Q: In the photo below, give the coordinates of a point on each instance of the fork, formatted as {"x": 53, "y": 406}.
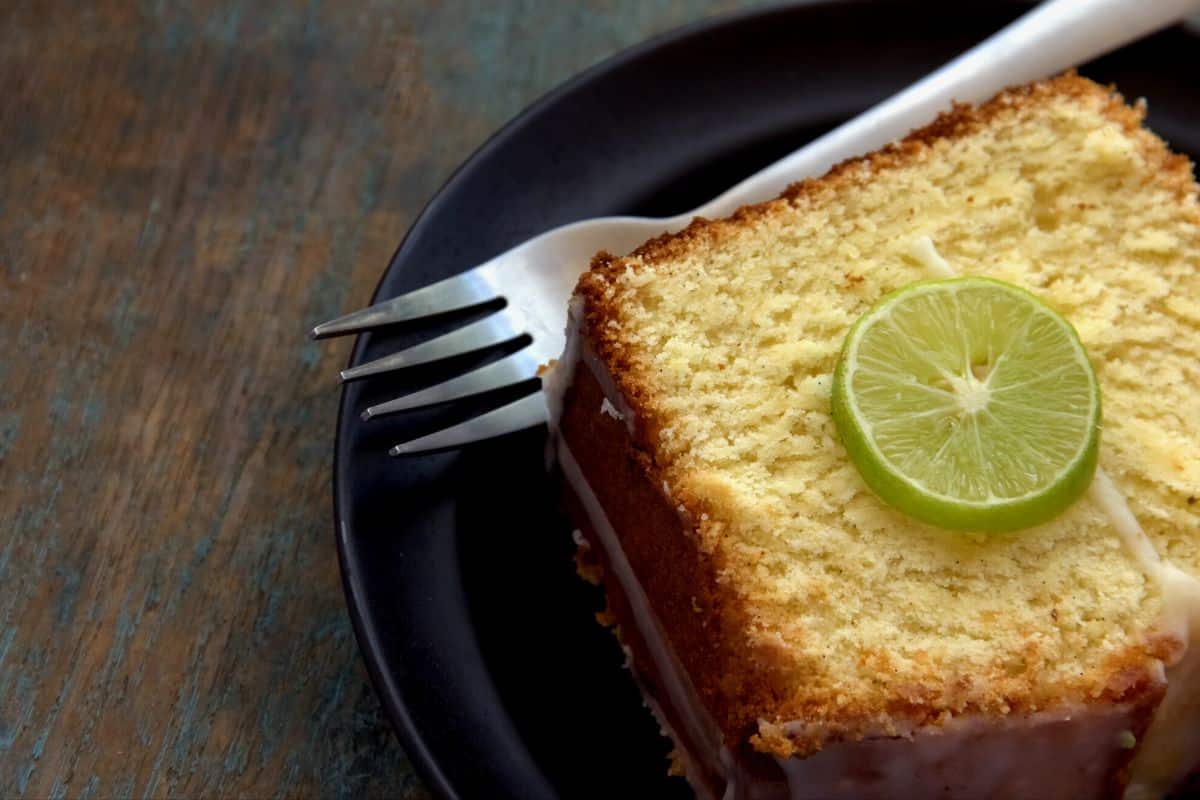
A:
{"x": 535, "y": 279}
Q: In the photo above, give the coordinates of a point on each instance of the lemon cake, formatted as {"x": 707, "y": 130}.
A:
{"x": 796, "y": 636}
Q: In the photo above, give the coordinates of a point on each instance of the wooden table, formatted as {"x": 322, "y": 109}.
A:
{"x": 185, "y": 188}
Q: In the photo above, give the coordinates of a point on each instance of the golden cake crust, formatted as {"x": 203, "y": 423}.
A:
{"x": 705, "y": 621}
{"x": 1173, "y": 170}
{"x": 753, "y": 684}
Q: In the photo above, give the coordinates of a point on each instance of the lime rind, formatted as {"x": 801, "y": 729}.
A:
{"x": 1032, "y": 354}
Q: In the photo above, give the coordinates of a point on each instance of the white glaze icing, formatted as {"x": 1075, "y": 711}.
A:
{"x": 680, "y": 692}
{"x": 606, "y": 407}
{"x": 689, "y": 767}
{"x": 1037, "y": 757}
{"x": 1170, "y": 748}
{"x": 921, "y": 248}
{"x": 557, "y": 379}
{"x": 1105, "y": 494}
{"x": 608, "y": 387}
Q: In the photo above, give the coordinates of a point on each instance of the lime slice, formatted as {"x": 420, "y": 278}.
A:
{"x": 969, "y": 404}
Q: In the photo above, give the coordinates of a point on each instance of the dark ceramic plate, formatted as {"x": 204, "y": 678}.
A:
{"x": 458, "y": 574}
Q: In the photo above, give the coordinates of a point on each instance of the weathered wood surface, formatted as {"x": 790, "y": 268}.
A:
{"x": 184, "y": 189}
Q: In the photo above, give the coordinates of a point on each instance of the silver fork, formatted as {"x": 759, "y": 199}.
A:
{"x": 535, "y": 279}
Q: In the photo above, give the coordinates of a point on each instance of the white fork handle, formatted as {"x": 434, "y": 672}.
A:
{"x": 1053, "y": 37}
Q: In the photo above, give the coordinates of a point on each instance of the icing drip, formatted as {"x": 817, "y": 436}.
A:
{"x": 614, "y": 403}
{"x": 1043, "y": 755}
{"x": 922, "y": 250}
{"x": 557, "y": 379}
{"x": 606, "y": 407}
{"x": 1170, "y": 748}
{"x": 664, "y": 725}
{"x": 680, "y": 692}
{"x": 1104, "y": 492}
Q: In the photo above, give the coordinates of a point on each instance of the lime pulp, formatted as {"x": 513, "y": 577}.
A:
{"x": 969, "y": 404}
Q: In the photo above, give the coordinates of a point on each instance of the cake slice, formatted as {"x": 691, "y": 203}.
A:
{"x": 795, "y": 635}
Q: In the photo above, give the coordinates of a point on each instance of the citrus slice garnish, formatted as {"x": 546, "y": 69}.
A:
{"x": 970, "y": 404}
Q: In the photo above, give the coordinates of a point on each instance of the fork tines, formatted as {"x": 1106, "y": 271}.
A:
{"x": 461, "y": 292}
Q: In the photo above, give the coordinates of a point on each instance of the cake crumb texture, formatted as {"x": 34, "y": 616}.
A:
{"x": 724, "y": 338}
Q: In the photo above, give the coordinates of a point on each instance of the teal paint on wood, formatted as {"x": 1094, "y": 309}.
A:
{"x": 185, "y": 188}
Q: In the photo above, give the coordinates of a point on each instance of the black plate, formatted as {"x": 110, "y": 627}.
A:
{"x": 457, "y": 568}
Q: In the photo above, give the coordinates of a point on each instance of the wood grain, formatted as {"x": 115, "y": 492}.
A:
{"x": 185, "y": 188}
